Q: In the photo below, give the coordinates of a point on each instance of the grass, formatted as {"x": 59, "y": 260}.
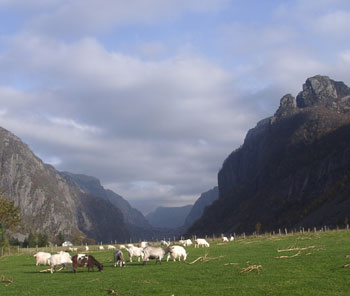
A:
{"x": 317, "y": 270}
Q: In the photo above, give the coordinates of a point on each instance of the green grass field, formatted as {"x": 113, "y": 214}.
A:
{"x": 314, "y": 266}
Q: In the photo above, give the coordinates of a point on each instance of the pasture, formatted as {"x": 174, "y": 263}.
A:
{"x": 300, "y": 264}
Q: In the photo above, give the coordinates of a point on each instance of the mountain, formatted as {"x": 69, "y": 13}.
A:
{"x": 93, "y": 186}
{"x": 136, "y": 223}
{"x": 169, "y": 217}
{"x": 293, "y": 168}
{"x": 206, "y": 199}
{"x": 50, "y": 202}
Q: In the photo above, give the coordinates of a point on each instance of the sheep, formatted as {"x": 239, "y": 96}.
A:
{"x": 89, "y": 261}
{"x": 154, "y": 253}
{"x": 232, "y": 238}
{"x": 110, "y": 247}
{"x": 86, "y": 248}
{"x": 201, "y": 242}
{"x": 101, "y": 248}
{"x": 61, "y": 259}
{"x": 188, "y": 242}
{"x": 144, "y": 245}
{"x": 224, "y": 239}
{"x": 42, "y": 258}
{"x": 73, "y": 249}
{"x": 119, "y": 258}
{"x": 164, "y": 243}
{"x": 135, "y": 251}
{"x": 176, "y": 252}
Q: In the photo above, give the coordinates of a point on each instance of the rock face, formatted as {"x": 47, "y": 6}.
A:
{"x": 169, "y": 217}
{"x": 205, "y": 200}
{"x": 51, "y": 202}
{"x": 293, "y": 168}
{"x": 136, "y": 223}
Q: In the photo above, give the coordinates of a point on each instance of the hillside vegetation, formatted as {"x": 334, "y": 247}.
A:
{"x": 300, "y": 264}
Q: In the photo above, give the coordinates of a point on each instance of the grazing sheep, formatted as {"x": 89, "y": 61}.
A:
{"x": 135, "y": 252}
{"x": 153, "y": 253}
{"x": 61, "y": 259}
{"x": 119, "y": 258}
{"x": 110, "y": 247}
{"x": 164, "y": 243}
{"x": 42, "y": 258}
{"x": 186, "y": 242}
{"x": 224, "y": 239}
{"x": 201, "y": 242}
{"x": 101, "y": 248}
{"x": 144, "y": 245}
{"x": 82, "y": 260}
{"x": 232, "y": 238}
{"x": 176, "y": 252}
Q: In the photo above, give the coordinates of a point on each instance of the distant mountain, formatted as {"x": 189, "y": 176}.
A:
{"x": 51, "y": 203}
{"x": 93, "y": 186}
{"x": 169, "y": 217}
{"x": 206, "y": 199}
{"x": 293, "y": 168}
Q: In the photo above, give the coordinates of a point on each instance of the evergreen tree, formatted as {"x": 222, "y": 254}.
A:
{"x": 31, "y": 240}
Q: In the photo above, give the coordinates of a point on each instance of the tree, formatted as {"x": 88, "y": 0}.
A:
{"x": 43, "y": 240}
{"x": 60, "y": 239}
{"x": 9, "y": 214}
{"x": 31, "y": 240}
{"x": 9, "y": 218}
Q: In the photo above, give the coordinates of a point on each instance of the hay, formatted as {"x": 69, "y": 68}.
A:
{"x": 296, "y": 249}
{"x": 113, "y": 292}
{"x": 295, "y": 255}
{"x": 150, "y": 283}
{"x": 4, "y": 280}
{"x": 226, "y": 264}
{"x": 251, "y": 268}
{"x": 204, "y": 258}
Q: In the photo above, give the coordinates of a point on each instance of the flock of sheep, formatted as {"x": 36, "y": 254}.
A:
{"x": 143, "y": 252}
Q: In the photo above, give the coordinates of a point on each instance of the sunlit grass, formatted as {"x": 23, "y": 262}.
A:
{"x": 318, "y": 269}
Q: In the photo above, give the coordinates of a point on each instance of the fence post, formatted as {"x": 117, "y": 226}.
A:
{"x": 286, "y": 231}
{"x": 18, "y": 249}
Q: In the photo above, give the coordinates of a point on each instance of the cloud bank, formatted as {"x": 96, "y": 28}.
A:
{"x": 152, "y": 98}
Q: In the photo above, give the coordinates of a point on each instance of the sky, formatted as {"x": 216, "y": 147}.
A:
{"x": 151, "y": 96}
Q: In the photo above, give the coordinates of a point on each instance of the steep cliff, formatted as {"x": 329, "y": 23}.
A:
{"x": 293, "y": 168}
{"x": 51, "y": 203}
{"x": 136, "y": 223}
{"x": 205, "y": 200}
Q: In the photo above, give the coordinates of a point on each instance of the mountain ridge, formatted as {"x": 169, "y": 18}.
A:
{"x": 288, "y": 165}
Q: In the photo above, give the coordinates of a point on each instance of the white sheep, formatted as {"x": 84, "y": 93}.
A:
{"x": 164, "y": 243}
{"x": 101, "y": 248}
{"x": 135, "y": 252}
{"x": 61, "y": 259}
{"x": 144, "y": 245}
{"x": 176, "y": 252}
{"x": 42, "y": 258}
{"x": 110, "y": 247}
{"x": 224, "y": 239}
{"x": 232, "y": 238}
{"x": 201, "y": 242}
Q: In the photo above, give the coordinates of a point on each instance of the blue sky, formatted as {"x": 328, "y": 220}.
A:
{"x": 151, "y": 96}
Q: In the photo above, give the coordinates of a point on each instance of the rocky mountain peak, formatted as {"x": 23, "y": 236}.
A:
{"x": 288, "y": 106}
{"x": 321, "y": 90}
